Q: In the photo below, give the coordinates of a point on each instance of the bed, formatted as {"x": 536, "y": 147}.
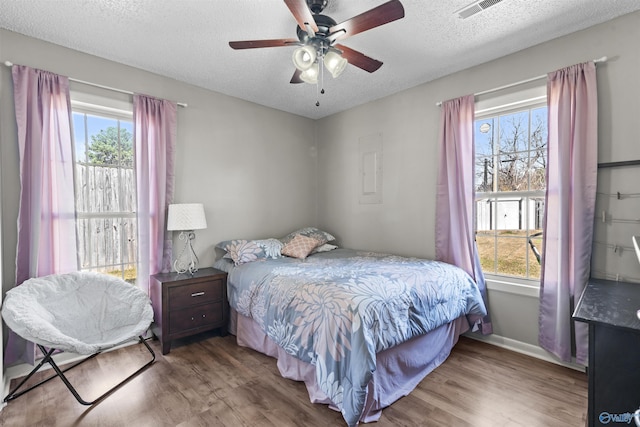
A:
{"x": 361, "y": 329}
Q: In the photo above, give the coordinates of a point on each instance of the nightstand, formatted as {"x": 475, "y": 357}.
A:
{"x": 184, "y": 305}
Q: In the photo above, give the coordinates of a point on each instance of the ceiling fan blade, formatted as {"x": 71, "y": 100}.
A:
{"x": 358, "y": 59}
{"x": 296, "y": 77}
{"x": 301, "y": 12}
{"x": 383, "y": 14}
{"x": 253, "y": 44}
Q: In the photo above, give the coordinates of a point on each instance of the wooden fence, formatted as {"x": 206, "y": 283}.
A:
{"x": 107, "y": 232}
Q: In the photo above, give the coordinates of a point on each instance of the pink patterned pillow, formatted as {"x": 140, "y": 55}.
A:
{"x": 300, "y": 246}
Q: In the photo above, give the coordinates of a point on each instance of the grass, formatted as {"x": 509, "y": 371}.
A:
{"x": 512, "y": 252}
{"x": 130, "y": 274}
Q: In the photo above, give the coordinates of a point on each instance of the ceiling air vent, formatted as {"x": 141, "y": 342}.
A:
{"x": 476, "y": 7}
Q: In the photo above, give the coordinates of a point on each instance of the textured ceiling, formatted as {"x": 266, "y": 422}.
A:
{"x": 188, "y": 41}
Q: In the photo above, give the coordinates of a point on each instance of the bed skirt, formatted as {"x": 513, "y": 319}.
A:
{"x": 399, "y": 369}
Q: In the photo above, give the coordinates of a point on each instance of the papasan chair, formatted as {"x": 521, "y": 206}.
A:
{"x": 79, "y": 312}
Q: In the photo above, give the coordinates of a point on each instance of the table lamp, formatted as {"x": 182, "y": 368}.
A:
{"x": 186, "y": 217}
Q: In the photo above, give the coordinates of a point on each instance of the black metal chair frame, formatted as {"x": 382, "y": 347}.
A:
{"x": 60, "y": 373}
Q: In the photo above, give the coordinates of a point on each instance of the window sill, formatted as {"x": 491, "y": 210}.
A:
{"x": 529, "y": 288}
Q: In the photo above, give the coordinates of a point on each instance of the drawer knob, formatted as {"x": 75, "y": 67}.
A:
{"x": 204, "y": 315}
{"x": 197, "y": 294}
{"x": 192, "y": 318}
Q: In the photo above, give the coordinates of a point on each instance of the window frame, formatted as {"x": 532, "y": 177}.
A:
{"x": 510, "y": 283}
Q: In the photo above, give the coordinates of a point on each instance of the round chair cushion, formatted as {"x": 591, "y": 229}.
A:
{"x": 80, "y": 312}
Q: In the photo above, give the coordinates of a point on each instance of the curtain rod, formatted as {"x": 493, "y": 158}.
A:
{"x": 114, "y": 89}
{"x": 521, "y": 82}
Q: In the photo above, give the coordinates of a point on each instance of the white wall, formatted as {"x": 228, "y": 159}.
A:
{"x": 408, "y": 121}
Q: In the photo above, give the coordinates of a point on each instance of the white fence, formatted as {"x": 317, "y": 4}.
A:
{"x": 509, "y": 214}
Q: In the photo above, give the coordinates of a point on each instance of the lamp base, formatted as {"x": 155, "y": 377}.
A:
{"x": 181, "y": 263}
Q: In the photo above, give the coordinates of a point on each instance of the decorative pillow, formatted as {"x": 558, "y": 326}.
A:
{"x": 316, "y": 233}
{"x": 324, "y": 248}
{"x": 300, "y": 246}
{"x": 243, "y": 251}
{"x": 271, "y": 247}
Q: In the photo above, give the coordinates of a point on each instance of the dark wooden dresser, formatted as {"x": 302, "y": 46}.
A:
{"x": 184, "y": 305}
{"x": 610, "y": 308}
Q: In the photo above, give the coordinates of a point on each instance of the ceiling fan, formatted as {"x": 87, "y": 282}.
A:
{"x": 318, "y": 34}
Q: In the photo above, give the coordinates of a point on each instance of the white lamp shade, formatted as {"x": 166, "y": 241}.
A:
{"x": 335, "y": 63}
{"x": 304, "y": 57}
{"x": 186, "y": 216}
{"x": 310, "y": 75}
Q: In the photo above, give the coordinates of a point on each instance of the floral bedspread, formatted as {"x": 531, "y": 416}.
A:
{"x": 337, "y": 309}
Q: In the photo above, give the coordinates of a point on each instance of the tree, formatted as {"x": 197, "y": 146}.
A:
{"x": 109, "y": 148}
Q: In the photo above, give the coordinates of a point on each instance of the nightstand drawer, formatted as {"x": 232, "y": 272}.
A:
{"x": 195, "y": 317}
{"x": 195, "y": 293}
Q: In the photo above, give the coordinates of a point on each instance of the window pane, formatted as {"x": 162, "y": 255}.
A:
{"x": 84, "y": 243}
{"x": 509, "y": 215}
{"x": 79, "y": 137}
{"x": 512, "y": 253}
{"x": 535, "y": 246}
{"x": 513, "y": 169}
{"x": 127, "y": 196}
{"x": 486, "y": 250}
{"x": 110, "y": 142}
{"x": 537, "y": 172}
{"x": 514, "y": 132}
{"x": 126, "y": 141}
{"x": 539, "y": 129}
{"x": 103, "y": 238}
{"x": 484, "y": 174}
{"x": 106, "y": 243}
{"x": 485, "y": 214}
{"x": 539, "y": 214}
{"x": 483, "y": 137}
{"x": 102, "y": 189}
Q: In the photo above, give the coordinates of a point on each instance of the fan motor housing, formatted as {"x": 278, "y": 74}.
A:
{"x": 324, "y": 24}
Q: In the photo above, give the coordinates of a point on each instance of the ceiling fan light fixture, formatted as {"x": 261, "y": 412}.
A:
{"x": 304, "y": 57}
{"x": 335, "y": 63}
{"x": 310, "y": 75}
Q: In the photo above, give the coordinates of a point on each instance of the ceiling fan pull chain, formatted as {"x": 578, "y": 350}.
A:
{"x": 322, "y": 73}
{"x": 317, "y": 96}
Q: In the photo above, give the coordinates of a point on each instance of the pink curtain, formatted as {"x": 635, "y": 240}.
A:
{"x": 455, "y": 203}
{"x": 155, "y": 134}
{"x": 569, "y": 207}
{"x": 46, "y": 216}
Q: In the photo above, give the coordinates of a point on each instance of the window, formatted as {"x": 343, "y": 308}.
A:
{"x": 105, "y": 191}
{"x": 510, "y": 183}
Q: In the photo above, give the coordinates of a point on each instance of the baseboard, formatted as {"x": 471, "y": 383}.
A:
{"x": 523, "y": 348}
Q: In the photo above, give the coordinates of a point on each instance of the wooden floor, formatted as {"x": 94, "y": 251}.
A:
{"x": 210, "y": 381}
